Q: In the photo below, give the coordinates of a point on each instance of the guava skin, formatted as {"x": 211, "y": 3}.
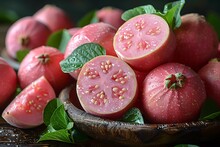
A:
{"x": 196, "y": 41}
{"x": 25, "y": 33}
{"x": 8, "y": 83}
{"x": 44, "y": 61}
{"x": 210, "y": 74}
{"x": 101, "y": 33}
{"x": 54, "y": 17}
{"x": 73, "y": 30}
{"x": 111, "y": 16}
{"x": 173, "y": 93}
{"x": 26, "y": 109}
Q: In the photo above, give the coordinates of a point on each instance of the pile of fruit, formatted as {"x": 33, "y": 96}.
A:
{"x": 163, "y": 63}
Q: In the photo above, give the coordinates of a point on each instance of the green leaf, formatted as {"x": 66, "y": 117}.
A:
{"x": 214, "y": 19}
{"x": 80, "y": 56}
{"x": 69, "y": 125}
{"x": 50, "y": 129}
{"x": 62, "y": 135}
{"x": 209, "y": 107}
{"x": 89, "y": 18}
{"x": 59, "y": 119}
{"x": 8, "y": 16}
{"x": 59, "y": 126}
{"x": 172, "y": 13}
{"x": 49, "y": 110}
{"x": 18, "y": 90}
{"x": 59, "y": 40}
{"x": 213, "y": 116}
{"x": 133, "y": 116}
{"x": 20, "y": 54}
{"x": 147, "y": 9}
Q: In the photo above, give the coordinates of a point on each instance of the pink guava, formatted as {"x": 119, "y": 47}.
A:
{"x": 173, "y": 93}
{"x": 43, "y": 61}
{"x": 111, "y": 16}
{"x": 140, "y": 76}
{"x": 25, "y": 33}
{"x": 106, "y": 87}
{"x": 54, "y": 17}
{"x": 210, "y": 74}
{"x": 145, "y": 41}
{"x": 101, "y": 33}
{"x": 196, "y": 41}
{"x": 8, "y": 83}
{"x": 73, "y": 30}
{"x": 26, "y": 110}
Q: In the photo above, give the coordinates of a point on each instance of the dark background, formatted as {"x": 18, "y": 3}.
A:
{"x": 77, "y": 8}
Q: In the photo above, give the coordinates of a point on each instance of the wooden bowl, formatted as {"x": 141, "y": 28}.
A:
{"x": 139, "y": 135}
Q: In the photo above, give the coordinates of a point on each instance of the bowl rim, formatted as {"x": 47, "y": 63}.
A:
{"x": 91, "y": 125}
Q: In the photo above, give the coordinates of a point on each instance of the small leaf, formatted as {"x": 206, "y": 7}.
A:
{"x": 8, "y": 16}
{"x": 20, "y": 54}
{"x": 59, "y": 126}
{"x": 59, "y": 40}
{"x": 147, "y": 9}
{"x": 49, "y": 110}
{"x": 69, "y": 125}
{"x": 214, "y": 19}
{"x": 18, "y": 90}
{"x": 50, "y": 129}
{"x": 133, "y": 116}
{"x": 213, "y": 116}
{"x": 88, "y": 19}
{"x": 59, "y": 119}
{"x": 61, "y": 135}
{"x": 80, "y": 56}
{"x": 209, "y": 107}
{"x": 172, "y": 13}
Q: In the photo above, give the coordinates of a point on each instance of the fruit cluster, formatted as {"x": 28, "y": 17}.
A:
{"x": 167, "y": 71}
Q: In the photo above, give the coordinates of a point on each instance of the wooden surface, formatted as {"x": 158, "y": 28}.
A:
{"x": 11, "y": 136}
{"x": 14, "y": 137}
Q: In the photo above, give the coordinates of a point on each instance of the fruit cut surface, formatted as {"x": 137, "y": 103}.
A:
{"x": 26, "y": 110}
{"x": 106, "y": 86}
{"x": 142, "y": 35}
{"x": 144, "y": 42}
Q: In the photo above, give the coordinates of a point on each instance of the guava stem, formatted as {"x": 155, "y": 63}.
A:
{"x": 43, "y": 58}
{"x": 175, "y": 81}
{"x": 24, "y": 41}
